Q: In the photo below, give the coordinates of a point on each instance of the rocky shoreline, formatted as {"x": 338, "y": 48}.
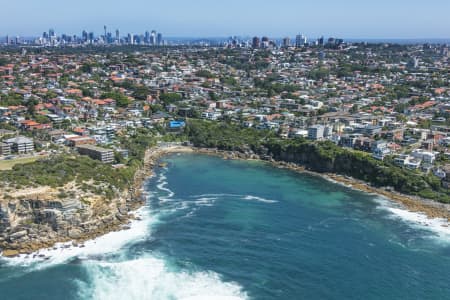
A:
{"x": 27, "y": 239}
{"x": 430, "y": 208}
{"x": 36, "y": 222}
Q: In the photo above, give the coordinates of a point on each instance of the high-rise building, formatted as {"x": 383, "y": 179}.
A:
{"x": 7, "y": 40}
{"x": 265, "y": 42}
{"x": 159, "y": 39}
{"x": 51, "y": 32}
{"x": 300, "y": 40}
{"x": 153, "y": 38}
{"x": 117, "y": 35}
{"x": 84, "y": 36}
{"x": 320, "y": 41}
{"x": 147, "y": 37}
{"x": 286, "y": 42}
{"x": 256, "y": 42}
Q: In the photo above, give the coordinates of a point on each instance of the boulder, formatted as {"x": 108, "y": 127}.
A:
{"x": 74, "y": 233}
{"x": 18, "y": 235}
{"x": 10, "y": 253}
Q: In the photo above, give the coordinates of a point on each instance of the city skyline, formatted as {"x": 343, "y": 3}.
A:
{"x": 384, "y": 19}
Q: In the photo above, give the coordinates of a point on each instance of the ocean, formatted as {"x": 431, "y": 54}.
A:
{"x": 218, "y": 229}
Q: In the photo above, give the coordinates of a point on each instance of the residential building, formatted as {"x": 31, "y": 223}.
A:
{"x": 21, "y": 144}
{"x": 5, "y": 149}
{"x": 316, "y": 132}
{"x": 102, "y": 154}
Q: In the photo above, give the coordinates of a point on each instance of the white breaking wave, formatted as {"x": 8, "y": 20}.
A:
{"x": 111, "y": 274}
{"x": 216, "y": 195}
{"x": 151, "y": 278}
{"x": 260, "y": 199}
{"x": 439, "y": 227}
{"x": 205, "y": 201}
{"x": 244, "y": 197}
{"x": 106, "y": 244}
{"x": 162, "y": 187}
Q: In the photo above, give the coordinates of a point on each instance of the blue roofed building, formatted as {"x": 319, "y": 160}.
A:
{"x": 176, "y": 125}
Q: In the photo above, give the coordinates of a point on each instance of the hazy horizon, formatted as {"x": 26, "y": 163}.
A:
{"x": 355, "y": 20}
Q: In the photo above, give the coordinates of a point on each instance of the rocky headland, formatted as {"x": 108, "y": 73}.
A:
{"x": 35, "y": 218}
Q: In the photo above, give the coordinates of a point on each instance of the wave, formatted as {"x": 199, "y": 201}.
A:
{"x": 206, "y": 201}
{"x": 244, "y": 197}
{"x": 112, "y": 242}
{"x": 259, "y": 199}
{"x": 439, "y": 227}
{"x": 151, "y": 278}
{"x": 162, "y": 187}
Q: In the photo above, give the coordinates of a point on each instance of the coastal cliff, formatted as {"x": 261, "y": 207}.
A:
{"x": 38, "y": 217}
{"x": 33, "y": 218}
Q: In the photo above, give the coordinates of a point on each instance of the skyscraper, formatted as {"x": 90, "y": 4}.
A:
{"x": 265, "y": 42}
{"x": 117, "y": 35}
{"x": 286, "y": 42}
{"x": 256, "y": 42}
{"x": 153, "y": 38}
{"x": 84, "y": 36}
{"x": 320, "y": 41}
{"x": 300, "y": 40}
{"x": 159, "y": 39}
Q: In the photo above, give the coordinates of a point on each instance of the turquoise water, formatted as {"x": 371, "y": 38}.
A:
{"x": 216, "y": 229}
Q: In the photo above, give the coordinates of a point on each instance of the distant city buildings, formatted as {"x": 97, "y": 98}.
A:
{"x": 154, "y": 38}
{"x": 50, "y": 38}
{"x": 300, "y": 41}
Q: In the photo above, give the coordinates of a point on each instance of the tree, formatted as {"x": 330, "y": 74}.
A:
{"x": 169, "y": 98}
{"x": 121, "y": 99}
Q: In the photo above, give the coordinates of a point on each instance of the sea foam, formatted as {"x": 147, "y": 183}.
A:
{"x": 151, "y": 278}
{"x": 106, "y": 244}
{"x": 439, "y": 228}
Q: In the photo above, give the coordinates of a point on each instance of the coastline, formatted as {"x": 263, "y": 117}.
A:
{"x": 432, "y": 209}
{"x": 118, "y": 218}
{"x": 134, "y": 199}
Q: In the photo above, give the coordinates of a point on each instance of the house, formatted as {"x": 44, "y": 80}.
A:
{"x": 176, "y": 125}
{"x": 426, "y": 156}
{"x": 21, "y": 144}
{"x": 349, "y": 140}
{"x": 446, "y": 179}
{"x": 380, "y": 149}
{"x": 80, "y": 140}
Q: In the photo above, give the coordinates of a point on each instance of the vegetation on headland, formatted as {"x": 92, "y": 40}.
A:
{"x": 323, "y": 157}
{"x": 90, "y": 175}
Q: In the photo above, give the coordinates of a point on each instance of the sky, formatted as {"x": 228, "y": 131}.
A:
{"x": 208, "y": 18}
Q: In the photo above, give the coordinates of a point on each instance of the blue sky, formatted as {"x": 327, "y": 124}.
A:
{"x": 201, "y": 18}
